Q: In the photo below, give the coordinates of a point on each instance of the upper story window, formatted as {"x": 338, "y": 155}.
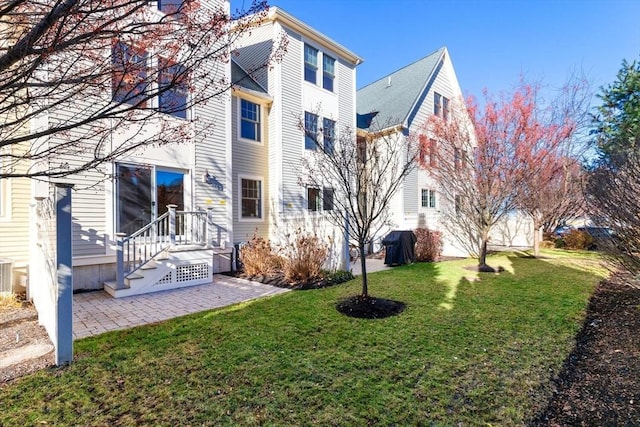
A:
{"x": 456, "y": 159}
{"x": 458, "y": 204}
{"x": 437, "y": 104}
{"x": 131, "y": 83}
{"x": 361, "y": 149}
{"x": 440, "y": 106}
{"x": 432, "y": 153}
{"x": 249, "y": 120}
{"x": 172, "y": 86}
{"x": 310, "y": 64}
{"x": 129, "y": 80}
{"x": 328, "y": 72}
{"x": 328, "y": 135}
{"x": 310, "y": 130}
{"x": 170, "y": 7}
{"x": 445, "y": 108}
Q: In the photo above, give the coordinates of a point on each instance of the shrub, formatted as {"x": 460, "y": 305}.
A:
{"x": 428, "y": 245}
{"x": 9, "y": 300}
{"x": 339, "y": 276}
{"x": 304, "y": 258}
{"x": 259, "y": 258}
{"x": 576, "y": 239}
{"x": 549, "y": 243}
{"x": 560, "y": 243}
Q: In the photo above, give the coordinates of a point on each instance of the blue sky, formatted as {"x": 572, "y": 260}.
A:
{"x": 491, "y": 42}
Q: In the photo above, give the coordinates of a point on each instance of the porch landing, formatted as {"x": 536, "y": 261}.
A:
{"x": 97, "y": 312}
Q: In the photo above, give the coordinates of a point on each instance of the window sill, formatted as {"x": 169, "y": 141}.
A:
{"x": 242, "y": 219}
{"x": 251, "y": 141}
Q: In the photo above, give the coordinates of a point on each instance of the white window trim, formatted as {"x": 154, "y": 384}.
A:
{"x": 5, "y": 198}
{"x": 304, "y": 133}
{"x": 435, "y": 198}
{"x": 239, "y": 122}
{"x": 320, "y": 69}
{"x": 262, "y": 192}
{"x": 152, "y": 64}
{"x": 5, "y": 194}
{"x": 321, "y": 210}
{"x": 304, "y": 63}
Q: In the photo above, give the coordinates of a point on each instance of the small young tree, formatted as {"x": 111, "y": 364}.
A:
{"x": 74, "y": 73}
{"x": 360, "y": 172}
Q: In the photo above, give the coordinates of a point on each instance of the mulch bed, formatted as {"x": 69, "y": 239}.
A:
{"x": 369, "y": 307}
{"x": 19, "y": 327}
{"x": 599, "y": 384}
{"x": 279, "y": 281}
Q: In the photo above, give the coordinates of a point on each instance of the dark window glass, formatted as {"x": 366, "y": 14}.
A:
{"x": 249, "y": 120}
{"x": 129, "y": 65}
{"x": 310, "y": 131}
{"x": 328, "y": 135}
{"x": 172, "y": 86}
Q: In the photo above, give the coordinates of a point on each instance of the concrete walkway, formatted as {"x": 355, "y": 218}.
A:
{"x": 373, "y": 265}
{"x": 97, "y": 312}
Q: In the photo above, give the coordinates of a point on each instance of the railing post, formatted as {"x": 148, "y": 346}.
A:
{"x": 64, "y": 273}
{"x": 209, "y": 228}
{"x": 172, "y": 224}
{"x": 120, "y": 259}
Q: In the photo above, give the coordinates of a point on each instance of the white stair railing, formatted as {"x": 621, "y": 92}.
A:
{"x": 173, "y": 228}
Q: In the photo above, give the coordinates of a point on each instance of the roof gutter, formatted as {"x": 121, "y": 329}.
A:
{"x": 277, "y": 14}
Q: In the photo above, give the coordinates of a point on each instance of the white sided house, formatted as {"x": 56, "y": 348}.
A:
{"x": 314, "y": 86}
{"x": 157, "y": 218}
{"x": 403, "y": 101}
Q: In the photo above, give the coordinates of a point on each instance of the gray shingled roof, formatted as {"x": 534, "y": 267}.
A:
{"x": 240, "y": 77}
{"x": 394, "y": 101}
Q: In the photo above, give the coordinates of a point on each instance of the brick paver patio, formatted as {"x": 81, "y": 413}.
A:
{"x": 97, "y": 312}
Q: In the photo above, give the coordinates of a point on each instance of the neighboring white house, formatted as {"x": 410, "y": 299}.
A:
{"x": 233, "y": 172}
{"x": 404, "y": 100}
{"x": 314, "y": 85}
{"x": 192, "y": 172}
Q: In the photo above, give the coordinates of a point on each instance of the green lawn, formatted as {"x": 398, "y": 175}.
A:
{"x": 466, "y": 349}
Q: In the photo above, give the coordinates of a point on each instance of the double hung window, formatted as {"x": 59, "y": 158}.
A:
{"x": 310, "y": 64}
{"x": 249, "y": 120}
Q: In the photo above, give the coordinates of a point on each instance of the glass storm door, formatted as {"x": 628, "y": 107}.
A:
{"x": 169, "y": 190}
{"x": 135, "y": 201}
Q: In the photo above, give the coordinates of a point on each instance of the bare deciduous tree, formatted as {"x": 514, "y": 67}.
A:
{"x": 470, "y": 154}
{"x": 503, "y": 157}
{"x": 358, "y": 174}
{"x": 74, "y": 73}
{"x": 613, "y": 188}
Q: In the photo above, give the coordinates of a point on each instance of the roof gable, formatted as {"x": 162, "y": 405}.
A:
{"x": 241, "y": 78}
{"x": 395, "y": 95}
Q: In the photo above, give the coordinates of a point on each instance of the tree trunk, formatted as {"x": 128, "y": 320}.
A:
{"x": 537, "y": 234}
{"x": 483, "y": 252}
{"x": 363, "y": 265}
{"x": 482, "y": 259}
